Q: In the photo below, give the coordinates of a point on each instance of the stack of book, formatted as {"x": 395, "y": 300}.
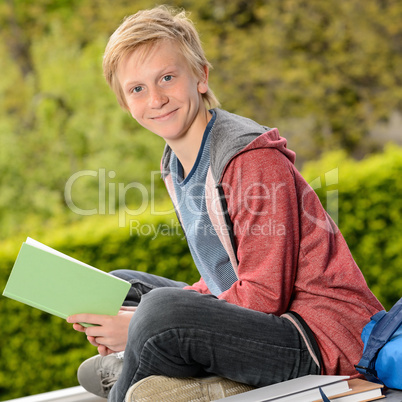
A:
{"x": 307, "y": 389}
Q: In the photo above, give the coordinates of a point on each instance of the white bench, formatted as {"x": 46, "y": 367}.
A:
{"x": 74, "y": 394}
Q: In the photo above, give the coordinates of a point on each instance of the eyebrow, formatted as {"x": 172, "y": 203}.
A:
{"x": 159, "y": 73}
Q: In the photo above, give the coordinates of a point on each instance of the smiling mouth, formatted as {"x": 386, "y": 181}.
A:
{"x": 164, "y": 116}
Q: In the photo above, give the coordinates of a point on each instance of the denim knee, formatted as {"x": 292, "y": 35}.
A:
{"x": 161, "y": 309}
{"x": 162, "y": 303}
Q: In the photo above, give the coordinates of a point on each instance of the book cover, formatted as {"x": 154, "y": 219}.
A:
{"x": 61, "y": 285}
{"x": 302, "y": 389}
{"x": 360, "y": 391}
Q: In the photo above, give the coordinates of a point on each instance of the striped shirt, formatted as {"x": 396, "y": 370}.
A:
{"x": 210, "y": 257}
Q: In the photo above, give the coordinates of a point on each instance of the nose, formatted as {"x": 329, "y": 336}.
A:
{"x": 157, "y": 98}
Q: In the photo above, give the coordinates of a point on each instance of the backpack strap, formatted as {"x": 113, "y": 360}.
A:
{"x": 387, "y": 324}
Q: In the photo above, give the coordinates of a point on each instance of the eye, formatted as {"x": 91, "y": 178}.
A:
{"x": 167, "y": 78}
{"x": 136, "y": 89}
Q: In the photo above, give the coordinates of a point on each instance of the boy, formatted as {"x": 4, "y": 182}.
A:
{"x": 280, "y": 295}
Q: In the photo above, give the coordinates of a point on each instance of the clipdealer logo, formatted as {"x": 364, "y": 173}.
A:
{"x": 112, "y": 200}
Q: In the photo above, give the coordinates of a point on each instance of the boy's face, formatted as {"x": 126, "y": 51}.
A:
{"x": 162, "y": 92}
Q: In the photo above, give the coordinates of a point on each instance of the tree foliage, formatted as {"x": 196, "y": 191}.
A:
{"x": 335, "y": 62}
{"x": 323, "y": 72}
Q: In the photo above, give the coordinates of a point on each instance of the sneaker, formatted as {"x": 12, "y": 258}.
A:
{"x": 166, "y": 389}
{"x": 99, "y": 373}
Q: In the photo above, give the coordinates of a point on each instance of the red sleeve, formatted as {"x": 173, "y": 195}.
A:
{"x": 200, "y": 287}
{"x": 262, "y": 203}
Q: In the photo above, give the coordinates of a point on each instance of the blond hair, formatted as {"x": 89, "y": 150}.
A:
{"x": 147, "y": 27}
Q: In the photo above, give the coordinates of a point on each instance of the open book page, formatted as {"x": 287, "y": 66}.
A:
{"x": 42, "y": 246}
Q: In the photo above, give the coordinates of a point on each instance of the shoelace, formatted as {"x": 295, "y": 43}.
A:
{"x": 107, "y": 382}
{"x": 108, "y": 378}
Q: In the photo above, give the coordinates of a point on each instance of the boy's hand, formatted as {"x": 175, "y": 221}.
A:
{"x": 111, "y": 331}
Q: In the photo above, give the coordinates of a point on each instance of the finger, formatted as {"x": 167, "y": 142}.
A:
{"x": 98, "y": 331}
{"x": 78, "y": 327}
{"x": 92, "y": 340}
{"x": 128, "y": 308}
{"x": 95, "y": 319}
{"x": 103, "y": 350}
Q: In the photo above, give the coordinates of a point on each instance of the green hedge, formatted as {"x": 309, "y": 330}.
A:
{"x": 370, "y": 213}
{"x": 40, "y": 352}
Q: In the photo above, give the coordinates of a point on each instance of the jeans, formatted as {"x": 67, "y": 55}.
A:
{"x": 182, "y": 333}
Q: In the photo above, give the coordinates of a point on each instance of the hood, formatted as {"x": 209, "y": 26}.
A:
{"x": 233, "y": 134}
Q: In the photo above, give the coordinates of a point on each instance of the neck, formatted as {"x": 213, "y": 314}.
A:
{"x": 187, "y": 147}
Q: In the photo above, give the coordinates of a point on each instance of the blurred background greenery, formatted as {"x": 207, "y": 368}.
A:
{"x": 77, "y": 173}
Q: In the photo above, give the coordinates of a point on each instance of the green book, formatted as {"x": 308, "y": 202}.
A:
{"x": 61, "y": 285}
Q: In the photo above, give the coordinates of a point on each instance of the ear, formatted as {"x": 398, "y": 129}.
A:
{"x": 203, "y": 82}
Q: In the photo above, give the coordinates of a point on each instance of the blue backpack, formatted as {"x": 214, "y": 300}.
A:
{"x": 382, "y": 355}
